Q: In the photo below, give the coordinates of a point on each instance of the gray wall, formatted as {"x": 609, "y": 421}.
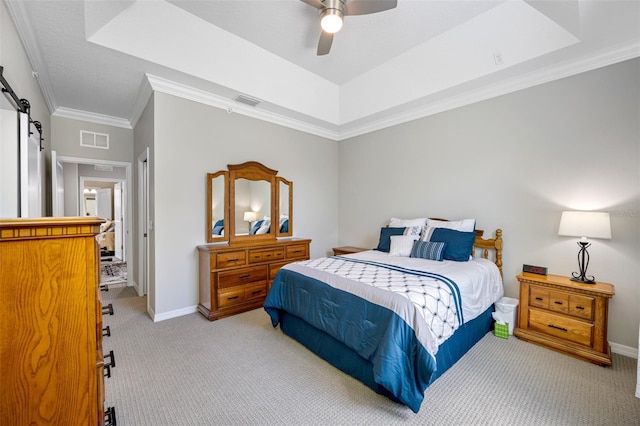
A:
{"x": 192, "y": 139}
{"x": 516, "y": 162}
{"x": 65, "y": 133}
{"x": 17, "y": 71}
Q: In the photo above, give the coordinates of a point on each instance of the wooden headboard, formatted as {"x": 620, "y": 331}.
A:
{"x": 486, "y": 244}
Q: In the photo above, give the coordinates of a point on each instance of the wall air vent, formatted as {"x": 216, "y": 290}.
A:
{"x": 94, "y": 139}
{"x": 103, "y": 168}
{"x": 247, "y": 100}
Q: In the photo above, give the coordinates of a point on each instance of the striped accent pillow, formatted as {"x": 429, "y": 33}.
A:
{"x": 428, "y": 250}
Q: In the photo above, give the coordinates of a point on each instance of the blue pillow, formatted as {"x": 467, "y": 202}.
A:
{"x": 459, "y": 244}
{"x": 255, "y": 227}
{"x": 428, "y": 250}
{"x": 384, "y": 244}
{"x": 284, "y": 228}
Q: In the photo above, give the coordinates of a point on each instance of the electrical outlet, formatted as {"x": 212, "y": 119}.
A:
{"x": 497, "y": 58}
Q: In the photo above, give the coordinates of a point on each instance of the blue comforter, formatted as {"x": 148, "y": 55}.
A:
{"x": 384, "y": 327}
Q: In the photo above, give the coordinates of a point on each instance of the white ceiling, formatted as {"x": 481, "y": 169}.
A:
{"x": 99, "y": 60}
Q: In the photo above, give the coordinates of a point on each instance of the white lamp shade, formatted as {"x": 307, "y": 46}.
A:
{"x": 585, "y": 225}
{"x": 249, "y": 216}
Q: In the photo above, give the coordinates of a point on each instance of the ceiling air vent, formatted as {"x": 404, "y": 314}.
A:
{"x": 244, "y": 99}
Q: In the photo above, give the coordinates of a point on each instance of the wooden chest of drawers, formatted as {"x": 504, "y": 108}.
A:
{"x": 565, "y": 315}
{"x": 236, "y": 278}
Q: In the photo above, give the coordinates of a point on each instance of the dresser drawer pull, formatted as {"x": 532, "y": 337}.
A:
{"x": 232, "y": 297}
{"x": 580, "y": 307}
{"x": 256, "y": 292}
{"x": 539, "y": 298}
{"x": 232, "y": 260}
{"x": 112, "y": 364}
{"x": 110, "y": 416}
{"x": 558, "y": 328}
{"x": 242, "y": 277}
{"x": 557, "y": 303}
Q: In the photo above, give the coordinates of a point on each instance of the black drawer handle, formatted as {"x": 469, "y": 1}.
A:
{"x": 232, "y": 297}
{"x": 104, "y": 287}
{"x": 110, "y": 416}
{"x": 110, "y": 365}
{"x": 539, "y": 298}
{"x": 558, "y": 303}
{"x": 580, "y": 307}
{"x": 107, "y": 309}
{"x": 256, "y": 292}
{"x": 558, "y": 328}
{"x": 233, "y": 260}
{"x": 242, "y": 277}
{"x": 106, "y": 331}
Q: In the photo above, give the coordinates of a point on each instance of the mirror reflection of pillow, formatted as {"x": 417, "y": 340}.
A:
{"x": 264, "y": 228}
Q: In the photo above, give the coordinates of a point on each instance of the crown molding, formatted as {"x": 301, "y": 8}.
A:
{"x": 92, "y": 117}
{"x": 515, "y": 84}
{"x": 159, "y": 84}
{"x": 25, "y": 32}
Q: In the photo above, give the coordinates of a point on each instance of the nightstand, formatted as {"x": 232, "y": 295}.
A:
{"x": 565, "y": 315}
{"x": 337, "y": 251}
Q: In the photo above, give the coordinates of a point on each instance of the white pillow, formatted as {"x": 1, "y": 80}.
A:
{"x": 264, "y": 228}
{"x": 464, "y": 225}
{"x": 394, "y": 222}
{"x": 401, "y": 245}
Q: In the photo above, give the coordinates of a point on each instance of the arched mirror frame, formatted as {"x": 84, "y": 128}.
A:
{"x": 224, "y": 175}
{"x": 280, "y": 181}
{"x": 253, "y": 171}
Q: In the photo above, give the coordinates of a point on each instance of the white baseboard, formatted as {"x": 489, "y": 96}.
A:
{"x": 174, "y": 314}
{"x": 624, "y": 350}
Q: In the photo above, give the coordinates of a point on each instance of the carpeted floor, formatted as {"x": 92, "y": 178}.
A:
{"x": 242, "y": 371}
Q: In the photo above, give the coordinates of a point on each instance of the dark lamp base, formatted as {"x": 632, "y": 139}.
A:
{"x": 583, "y": 280}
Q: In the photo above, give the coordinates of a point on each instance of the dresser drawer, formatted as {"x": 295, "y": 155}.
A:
{"x": 231, "y": 258}
{"x": 561, "y": 326}
{"x": 242, "y": 276}
{"x": 239, "y": 294}
{"x": 297, "y": 251}
{"x": 256, "y": 256}
{"x": 539, "y": 297}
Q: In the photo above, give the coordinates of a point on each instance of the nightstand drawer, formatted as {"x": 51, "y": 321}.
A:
{"x": 560, "y": 326}
{"x": 581, "y": 306}
{"x": 558, "y": 302}
{"x": 539, "y": 297}
{"x": 242, "y": 276}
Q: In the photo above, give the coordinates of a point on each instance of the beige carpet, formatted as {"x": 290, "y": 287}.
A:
{"x": 241, "y": 371}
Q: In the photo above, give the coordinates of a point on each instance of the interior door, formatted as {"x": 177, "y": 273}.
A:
{"x": 30, "y": 176}
{"x": 103, "y": 203}
{"x": 57, "y": 186}
{"x": 119, "y": 218}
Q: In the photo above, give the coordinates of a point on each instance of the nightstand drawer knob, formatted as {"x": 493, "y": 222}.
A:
{"x": 580, "y": 307}
{"x": 539, "y": 298}
{"x": 558, "y": 328}
{"x": 557, "y": 303}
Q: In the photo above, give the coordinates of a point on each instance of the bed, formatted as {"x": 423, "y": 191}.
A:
{"x": 395, "y": 318}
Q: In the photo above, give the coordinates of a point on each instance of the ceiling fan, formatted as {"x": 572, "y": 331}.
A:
{"x": 332, "y": 13}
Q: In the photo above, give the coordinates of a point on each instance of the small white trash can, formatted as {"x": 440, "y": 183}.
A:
{"x": 507, "y": 308}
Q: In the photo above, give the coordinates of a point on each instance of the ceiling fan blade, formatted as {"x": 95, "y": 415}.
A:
{"x": 364, "y": 7}
{"x": 324, "y": 44}
{"x": 315, "y": 3}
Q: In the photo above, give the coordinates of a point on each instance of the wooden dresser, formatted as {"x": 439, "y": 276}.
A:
{"x": 51, "y": 360}
{"x": 566, "y": 316}
{"x": 236, "y": 278}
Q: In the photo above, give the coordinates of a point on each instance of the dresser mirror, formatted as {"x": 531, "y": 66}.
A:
{"x": 285, "y": 206}
{"x": 217, "y": 202}
{"x": 248, "y": 202}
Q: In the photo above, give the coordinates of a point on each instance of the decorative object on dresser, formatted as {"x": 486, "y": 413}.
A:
{"x": 565, "y": 315}
{"x": 237, "y": 270}
{"x": 584, "y": 225}
{"x": 337, "y": 251}
{"x": 51, "y": 359}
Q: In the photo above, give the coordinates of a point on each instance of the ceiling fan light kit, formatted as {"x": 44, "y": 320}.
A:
{"x": 332, "y": 13}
